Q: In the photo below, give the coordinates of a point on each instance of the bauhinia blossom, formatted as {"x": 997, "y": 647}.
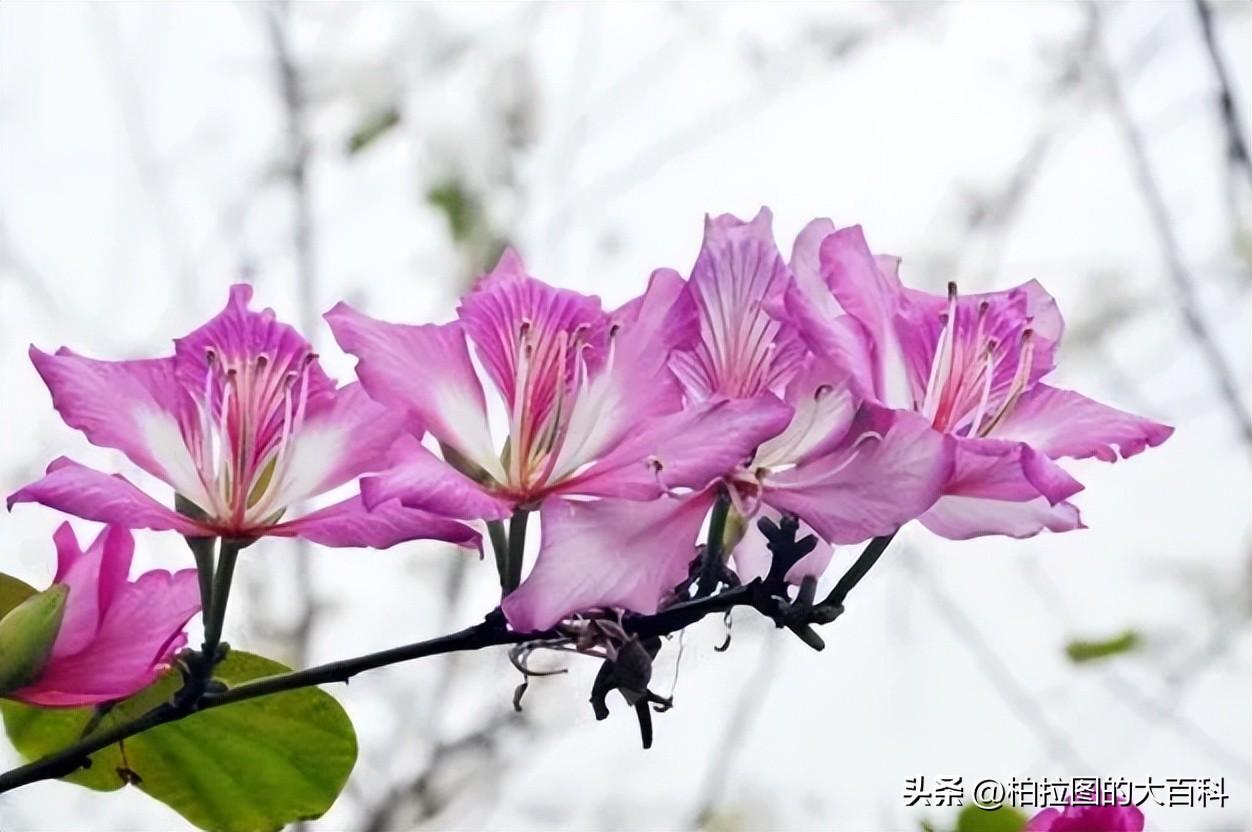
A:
{"x": 243, "y": 424}
{"x": 589, "y": 407}
{"x": 1108, "y": 818}
{"x": 116, "y": 635}
{"x": 971, "y": 367}
{"x": 851, "y": 472}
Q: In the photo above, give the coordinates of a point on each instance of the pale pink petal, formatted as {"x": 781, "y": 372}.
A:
{"x": 962, "y": 518}
{"x": 85, "y": 492}
{"x": 685, "y": 450}
{"x": 824, "y": 405}
{"x": 349, "y": 524}
{"x": 426, "y": 372}
{"x": 137, "y": 636}
{"x": 136, "y": 407}
{"x": 607, "y": 553}
{"x": 890, "y": 468}
{"x": 752, "y": 556}
{"x": 421, "y": 480}
{"x": 1009, "y": 471}
{"x": 1063, "y": 423}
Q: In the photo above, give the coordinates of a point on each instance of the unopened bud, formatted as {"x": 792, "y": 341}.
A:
{"x": 27, "y": 634}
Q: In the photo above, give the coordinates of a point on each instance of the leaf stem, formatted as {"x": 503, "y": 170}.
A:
{"x": 517, "y": 548}
{"x": 711, "y": 564}
{"x": 500, "y": 546}
{"x": 869, "y": 556}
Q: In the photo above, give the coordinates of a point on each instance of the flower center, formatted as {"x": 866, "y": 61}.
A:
{"x": 250, "y": 413}
{"x": 975, "y": 377}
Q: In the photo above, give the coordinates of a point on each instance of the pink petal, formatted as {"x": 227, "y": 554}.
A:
{"x": 426, "y": 372}
{"x": 752, "y": 556}
{"x": 136, "y": 407}
{"x": 962, "y": 518}
{"x": 85, "y": 492}
{"x": 93, "y": 578}
{"x": 890, "y": 468}
{"x": 508, "y": 301}
{"x": 1043, "y": 821}
{"x": 138, "y": 635}
{"x": 824, "y": 405}
{"x": 737, "y": 278}
{"x": 349, "y": 524}
{"x": 1063, "y": 423}
{"x": 689, "y": 449}
{"x": 607, "y": 553}
{"x": 423, "y": 481}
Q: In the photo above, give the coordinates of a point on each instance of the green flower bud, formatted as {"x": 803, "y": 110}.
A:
{"x": 27, "y": 634}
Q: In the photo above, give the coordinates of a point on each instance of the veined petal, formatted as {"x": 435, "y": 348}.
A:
{"x": 1063, "y": 423}
{"x": 76, "y": 489}
{"x": 349, "y": 524}
{"x": 425, "y": 371}
{"x": 753, "y": 558}
{"x": 737, "y": 279}
{"x": 508, "y": 304}
{"x": 890, "y": 467}
{"x": 962, "y": 518}
{"x": 685, "y": 450}
{"x": 421, "y": 480}
{"x": 136, "y": 407}
{"x": 824, "y": 405}
{"x": 139, "y": 632}
{"x": 607, "y": 553}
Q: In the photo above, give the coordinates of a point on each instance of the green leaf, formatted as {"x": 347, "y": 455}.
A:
{"x": 1003, "y": 819}
{"x": 1080, "y": 651}
{"x": 254, "y": 765}
{"x": 12, "y": 593}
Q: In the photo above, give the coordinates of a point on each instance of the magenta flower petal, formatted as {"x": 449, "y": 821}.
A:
{"x": 1102, "y": 818}
{"x": 889, "y": 469}
{"x": 1063, "y": 423}
{"x": 424, "y": 371}
{"x": 350, "y": 524}
{"x": 117, "y": 635}
{"x": 607, "y": 553}
{"x": 136, "y": 407}
{"x": 423, "y": 481}
{"x": 85, "y": 492}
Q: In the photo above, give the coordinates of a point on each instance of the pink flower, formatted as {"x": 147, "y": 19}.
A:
{"x": 971, "y": 367}
{"x": 1115, "y": 818}
{"x": 591, "y": 411}
{"x": 116, "y": 635}
{"x": 849, "y": 471}
{"x": 243, "y": 424}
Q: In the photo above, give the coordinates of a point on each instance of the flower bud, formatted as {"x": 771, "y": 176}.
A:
{"x": 27, "y": 634}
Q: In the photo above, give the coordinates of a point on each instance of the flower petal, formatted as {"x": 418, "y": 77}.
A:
{"x": 426, "y": 372}
{"x": 890, "y": 468}
{"x": 93, "y": 579}
{"x": 421, "y": 480}
{"x": 685, "y": 450}
{"x": 349, "y": 524}
{"x": 738, "y": 277}
{"x": 93, "y": 495}
{"x": 136, "y": 407}
{"x": 1063, "y": 423}
{"x": 139, "y": 632}
{"x": 607, "y": 553}
{"x": 962, "y": 518}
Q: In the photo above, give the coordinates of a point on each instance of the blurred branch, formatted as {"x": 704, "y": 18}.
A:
{"x": 1154, "y": 200}
{"x": 1236, "y": 144}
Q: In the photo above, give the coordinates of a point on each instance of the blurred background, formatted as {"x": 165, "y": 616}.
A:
{"x": 150, "y": 155}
